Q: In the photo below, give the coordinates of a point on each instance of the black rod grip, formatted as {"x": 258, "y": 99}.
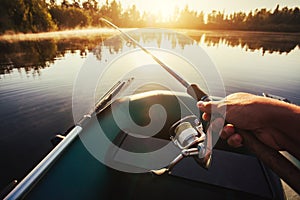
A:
{"x": 195, "y": 91}
{"x": 199, "y": 95}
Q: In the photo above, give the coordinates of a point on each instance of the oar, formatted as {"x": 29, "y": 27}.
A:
{"x": 270, "y": 157}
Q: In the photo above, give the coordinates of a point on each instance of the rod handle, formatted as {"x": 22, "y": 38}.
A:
{"x": 199, "y": 95}
{"x": 195, "y": 91}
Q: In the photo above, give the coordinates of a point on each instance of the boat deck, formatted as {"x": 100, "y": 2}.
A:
{"x": 77, "y": 174}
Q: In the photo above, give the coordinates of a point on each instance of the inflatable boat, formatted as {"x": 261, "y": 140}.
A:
{"x": 82, "y": 166}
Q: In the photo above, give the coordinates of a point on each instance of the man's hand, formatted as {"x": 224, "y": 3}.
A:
{"x": 266, "y": 118}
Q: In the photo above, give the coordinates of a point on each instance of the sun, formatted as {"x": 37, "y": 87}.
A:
{"x": 163, "y": 10}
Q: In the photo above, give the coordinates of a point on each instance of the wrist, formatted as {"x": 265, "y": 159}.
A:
{"x": 287, "y": 119}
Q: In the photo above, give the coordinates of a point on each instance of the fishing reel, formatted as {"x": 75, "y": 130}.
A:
{"x": 189, "y": 136}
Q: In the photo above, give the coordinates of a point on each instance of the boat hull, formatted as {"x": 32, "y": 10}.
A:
{"x": 78, "y": 174}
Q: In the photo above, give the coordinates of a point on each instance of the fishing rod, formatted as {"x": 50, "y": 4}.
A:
{"x": 270, "y": 157}
{"x": 192, "y": 89}
{"x": 202, "y": 151}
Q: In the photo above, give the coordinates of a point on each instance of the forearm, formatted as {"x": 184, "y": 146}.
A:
{"x": 288, "y": 123}
{"x": 288, "y": 120}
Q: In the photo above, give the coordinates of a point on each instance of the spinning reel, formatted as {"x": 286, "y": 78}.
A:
{"x": 188, "y": 135}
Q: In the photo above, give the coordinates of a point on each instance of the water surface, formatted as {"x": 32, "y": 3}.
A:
{"x": 37, "y": 77}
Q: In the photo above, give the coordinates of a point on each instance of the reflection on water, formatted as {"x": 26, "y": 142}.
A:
{"x": 35, "y": 55}
{"x": 37, "y": 106}
{"x": 268, "y": 42}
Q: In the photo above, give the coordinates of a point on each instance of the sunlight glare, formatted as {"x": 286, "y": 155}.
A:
{"x": 163, "y": 10}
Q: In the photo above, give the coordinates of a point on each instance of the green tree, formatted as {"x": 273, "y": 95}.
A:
{"x": 69, "y": 17}
{"x": 215, "y": 18}
{"x": 37, "y": 16}
{"x": 190, "y": 18}
{"x": 133, "y": 17}
{"x": 112, "y": 11}
{"x": 8, "y": 9}
{"x": 238, "y": 19}
{"x": 91, "y": 8}
{"x": 76, "y": 3}
{"x": 25, "y": 16}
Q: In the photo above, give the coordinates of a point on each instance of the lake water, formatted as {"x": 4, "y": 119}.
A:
{"x": 37, "y": 76}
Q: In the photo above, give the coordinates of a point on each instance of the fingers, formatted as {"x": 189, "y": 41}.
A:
{"x": 233, "y": 138}
{"x": 213, "y": 109}
{"x": 228, "y": 131}
{"x": 205, "y": 106}
{"x": 206, "y": 116}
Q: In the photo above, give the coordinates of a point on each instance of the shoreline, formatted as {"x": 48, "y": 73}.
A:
{"x": 64, "y": 34}
{"x": 94, "y": 31}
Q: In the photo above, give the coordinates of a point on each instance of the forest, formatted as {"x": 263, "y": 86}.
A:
{"x": 41, "y": 15}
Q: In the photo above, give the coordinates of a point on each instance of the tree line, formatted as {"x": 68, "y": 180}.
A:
{"x": 35, "y": 55}
{"x": 39, "y": 15}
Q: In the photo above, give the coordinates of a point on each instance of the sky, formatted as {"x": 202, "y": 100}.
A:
{"x": 228, "y": 6}
{"x": 166, "y": 7}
